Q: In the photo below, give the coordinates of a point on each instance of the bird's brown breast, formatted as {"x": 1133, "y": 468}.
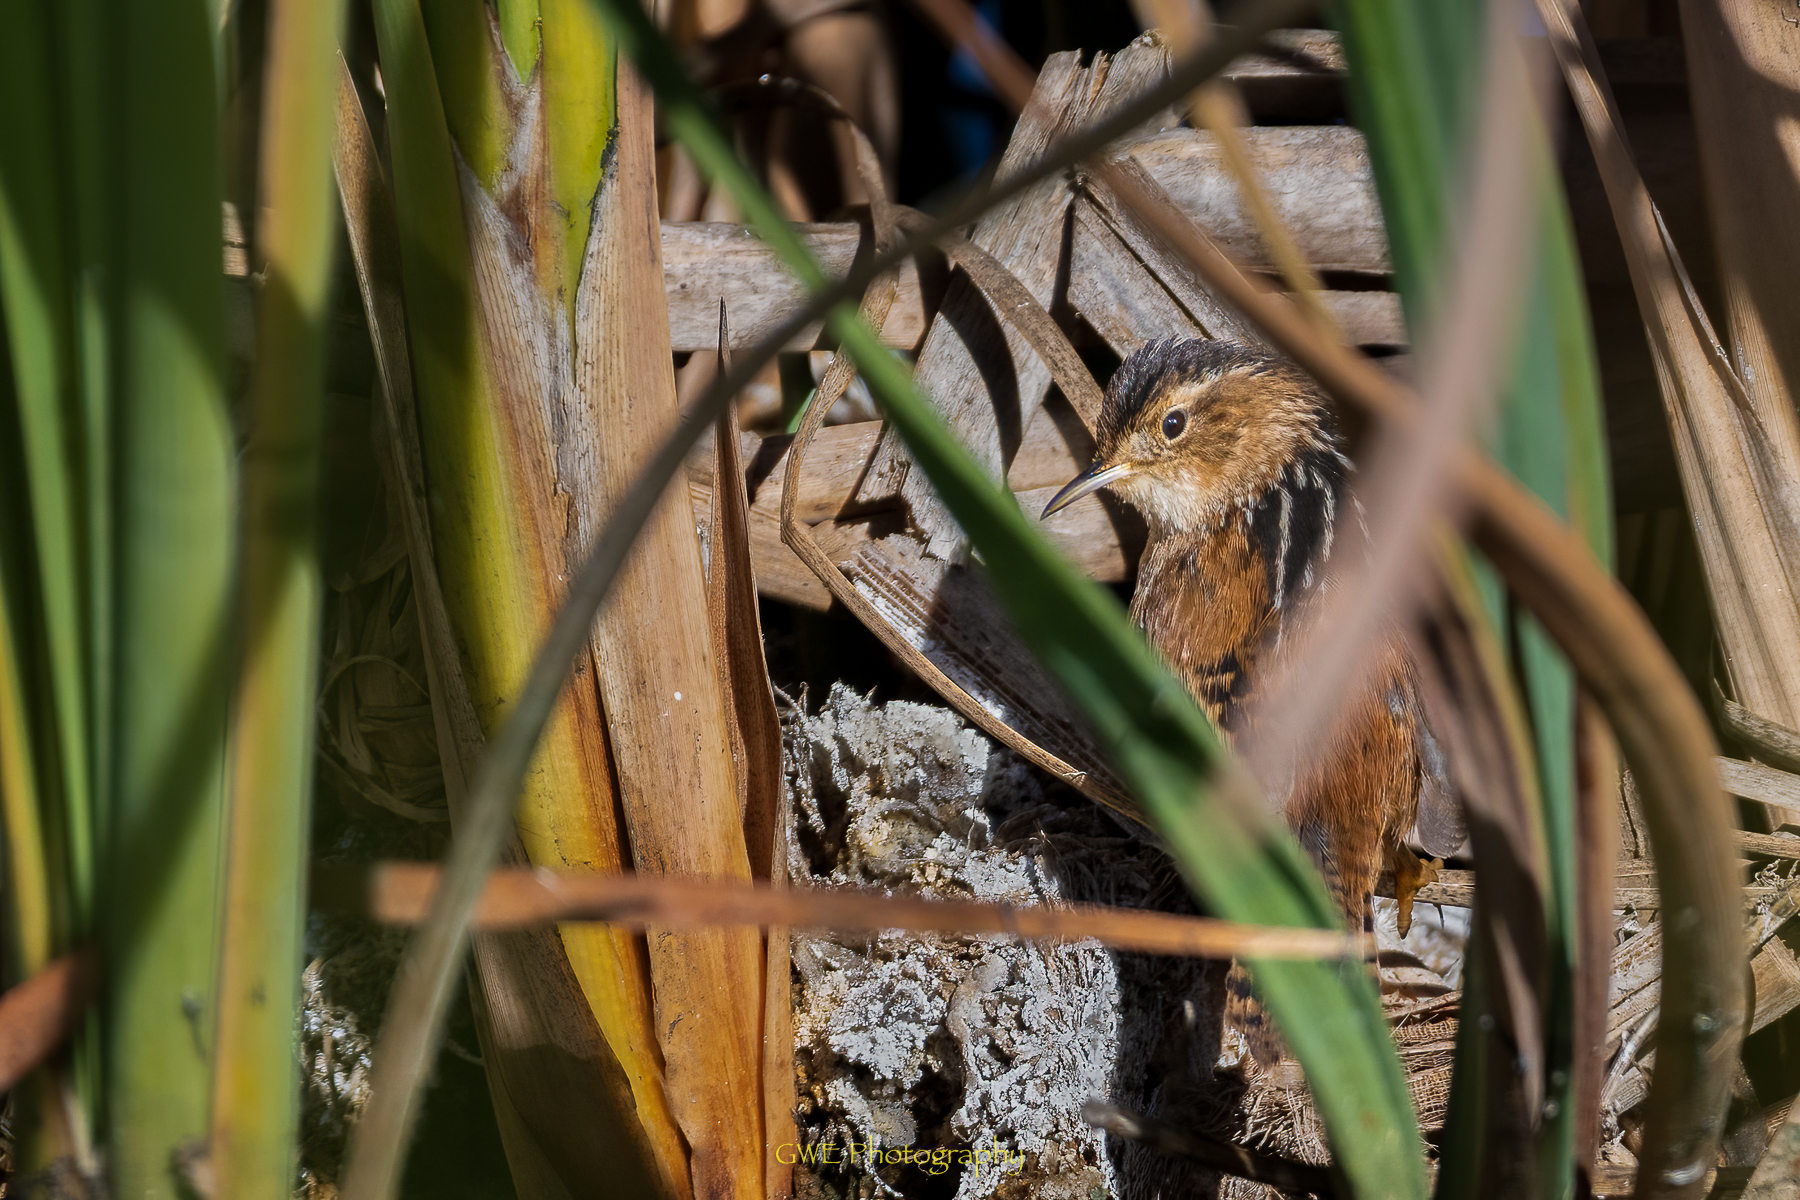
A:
{"x": 1205, "y": 601}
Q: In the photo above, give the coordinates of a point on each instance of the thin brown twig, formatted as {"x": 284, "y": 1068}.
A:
{"x": 401, "y": 893}
{"x": 37, "y": 1015}
{"x": 1770, "y": 742}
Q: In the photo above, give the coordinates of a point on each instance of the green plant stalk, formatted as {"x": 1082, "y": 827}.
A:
{"x": 1465, "y": 1116}
{"x": 498, "y": 587}
{"x": 33, "y": 281}
{"x": 580, "y": 104}
{"x": 176, "y": 527}
{"x": 1243, "y": 866}
{"x": 519, "y": 33}
{"x": 1533, "y": 442}
{"x": 28, "y": 920}
{"x": 457, "y": 31}
{"x": 91, "y": 162}
{"x": 1412, "y": 63}
{"x": 59, "y": 569}
{"x": 256, "y": 1085}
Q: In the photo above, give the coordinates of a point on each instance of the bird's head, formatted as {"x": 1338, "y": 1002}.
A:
{"x": 1192, "y": 428}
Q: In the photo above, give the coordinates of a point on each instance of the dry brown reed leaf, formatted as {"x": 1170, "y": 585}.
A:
{"x": 1774, "y": 744}
{"x": 661, "y": 686}
{"x": 779, "y": 1099}
{"x": 1486, "y": 740}
{"x": 1737, "y": 441}
{"x": 400, "y": 893}
{"x": 736, "y": 628}
{"x": 566, "y": 1121}
{"x": 1742, "y": 79}
{"x": 756, "y": 746}
{"x": 37, "y": 1015}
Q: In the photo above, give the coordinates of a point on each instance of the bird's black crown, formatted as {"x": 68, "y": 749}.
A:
{"x": 1156, "y": 366}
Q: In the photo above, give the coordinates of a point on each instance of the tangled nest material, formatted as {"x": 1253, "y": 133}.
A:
{"x": 962, "y": 1043}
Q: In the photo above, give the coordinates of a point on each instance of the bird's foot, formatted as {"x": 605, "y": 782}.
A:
{"x": 1410, "y": 874}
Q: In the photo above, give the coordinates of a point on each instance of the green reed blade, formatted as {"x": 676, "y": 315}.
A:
{"x": 176, "y": 527}
{"x": 1414, "y": 71}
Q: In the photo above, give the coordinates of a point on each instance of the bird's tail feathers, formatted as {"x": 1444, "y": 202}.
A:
{"x": 1245, "y": 1013}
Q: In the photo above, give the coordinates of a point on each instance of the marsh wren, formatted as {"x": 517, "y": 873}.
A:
{"x": 1234, "y": 459}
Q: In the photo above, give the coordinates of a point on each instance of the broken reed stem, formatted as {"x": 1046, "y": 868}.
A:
{"x": 402, "y": 893}
{"x": 424, "y": 980}
{"x": 1774, "y": 744}
{"x": 36, "y": 1016}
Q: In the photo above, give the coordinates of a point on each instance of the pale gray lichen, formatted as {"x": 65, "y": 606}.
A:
{"x": 988, "y": 1045}
{"x": 972, "y": 1043}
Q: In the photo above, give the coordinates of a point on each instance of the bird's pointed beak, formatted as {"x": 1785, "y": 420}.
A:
{"x": 1086, "y": 483}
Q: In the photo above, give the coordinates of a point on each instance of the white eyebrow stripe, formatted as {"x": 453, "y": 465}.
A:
{"x": 1330, "y": 524}
{"x": 1285, "y": 524}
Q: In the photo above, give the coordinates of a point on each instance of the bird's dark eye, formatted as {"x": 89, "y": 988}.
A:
{"x": 1174, "y": 423}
